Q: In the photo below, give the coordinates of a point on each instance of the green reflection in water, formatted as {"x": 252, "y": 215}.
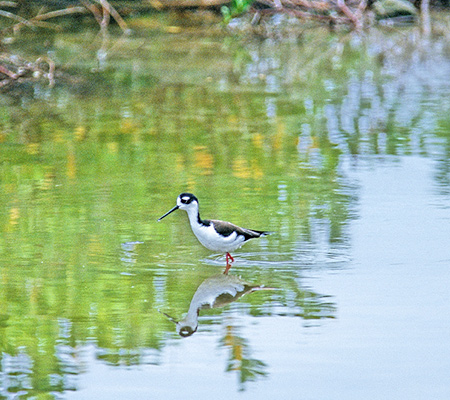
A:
{"x": 261, "y": 133}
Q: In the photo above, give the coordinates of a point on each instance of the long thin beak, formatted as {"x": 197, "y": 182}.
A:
{"x": 167, "y": 213}
{"x": 171, "y": 319}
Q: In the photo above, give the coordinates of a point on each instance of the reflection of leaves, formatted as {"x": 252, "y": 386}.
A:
{"x": 314, "y": 306}
{"x": 251, "y": 370}
{"x": 291, "y": 299}
{"x": 120, "y": 356}
{"x": 247, "y": 368}
{"x": 3, "y": 320}
{"x": 71, "y": 206}
{"x": 442, "y": 174}
{"x": 85, "y": 171}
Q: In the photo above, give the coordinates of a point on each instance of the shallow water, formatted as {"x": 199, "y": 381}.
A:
{"x": 345, "y": 157}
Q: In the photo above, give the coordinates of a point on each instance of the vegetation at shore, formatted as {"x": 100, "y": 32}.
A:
{"x": 259, "y": 17}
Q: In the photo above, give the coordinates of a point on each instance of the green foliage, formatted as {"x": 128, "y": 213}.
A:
{"x": 87, "y": 169}
{"x": 236, "y": 8}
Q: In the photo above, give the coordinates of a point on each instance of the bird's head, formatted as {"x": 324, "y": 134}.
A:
{"x": 185, "y": 201}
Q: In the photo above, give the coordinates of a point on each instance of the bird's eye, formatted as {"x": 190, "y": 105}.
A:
{"x": 185, "y": 200}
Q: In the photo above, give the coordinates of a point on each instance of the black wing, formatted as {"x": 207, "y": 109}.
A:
{"x": 227, "y": 228}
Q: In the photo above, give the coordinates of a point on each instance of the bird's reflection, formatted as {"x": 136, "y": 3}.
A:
{"x": 214, "y": 292}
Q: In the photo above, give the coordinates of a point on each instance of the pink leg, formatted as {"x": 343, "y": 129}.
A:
{"x": 229, "y": 259}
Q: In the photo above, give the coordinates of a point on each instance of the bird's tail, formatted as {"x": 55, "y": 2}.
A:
{"x": 251, "y": 233}
{"x": 264, "y": 233}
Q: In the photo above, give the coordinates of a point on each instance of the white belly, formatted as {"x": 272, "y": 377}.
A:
{"x": 209, "y": 238}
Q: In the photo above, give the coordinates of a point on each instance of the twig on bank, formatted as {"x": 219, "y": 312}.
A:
{"x": 59, "y": 13}
{"x": 349, "y": 14}
{"x": 7, "y": 72}
{"x": 102, "y": 17}
{"x": 39, "y": 19}
{"x": 336, "y": 12}
{"x": 106, "y": 15}
{"x": 15, "y": 17}
{"x": 115, "y": 14}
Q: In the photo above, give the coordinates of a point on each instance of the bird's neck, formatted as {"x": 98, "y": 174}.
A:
{"x": 194, "y": 217}
{"x": 191, "y": 318}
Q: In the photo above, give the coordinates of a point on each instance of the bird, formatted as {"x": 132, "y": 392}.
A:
{"x": 214, "y": 292}
{"x": 215, "y": 235}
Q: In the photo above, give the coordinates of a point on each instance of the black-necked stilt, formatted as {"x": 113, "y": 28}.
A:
{"x": 214, "y": 292}
{"x": 215, "y": 235}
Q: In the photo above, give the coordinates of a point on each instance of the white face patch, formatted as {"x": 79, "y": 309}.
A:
{"x": 185, "y": 198}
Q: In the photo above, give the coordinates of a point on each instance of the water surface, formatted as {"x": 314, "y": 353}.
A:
{"x": 345, "y": 156}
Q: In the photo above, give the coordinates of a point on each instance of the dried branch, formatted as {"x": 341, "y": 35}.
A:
{"x": 106, "y": 14}
{"x": 7, "y": 72}
{"x": 93, "y": 9}
{"x": 110, "y": 10}
{"x": 102, "y": 17}
{"x": 59, "y": 13}
{"x": 39, "y": 19}
{"x": 15, "y": 17}
{"x": 338, "y": 12}
{"x": 349, "y": 14}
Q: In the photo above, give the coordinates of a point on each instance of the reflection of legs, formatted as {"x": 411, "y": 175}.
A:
{"x": 229, "y": 261}
{"x": 227, "y": 268}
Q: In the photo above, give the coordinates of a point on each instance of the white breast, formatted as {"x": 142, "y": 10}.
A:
{"x": 209, "y": 238}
